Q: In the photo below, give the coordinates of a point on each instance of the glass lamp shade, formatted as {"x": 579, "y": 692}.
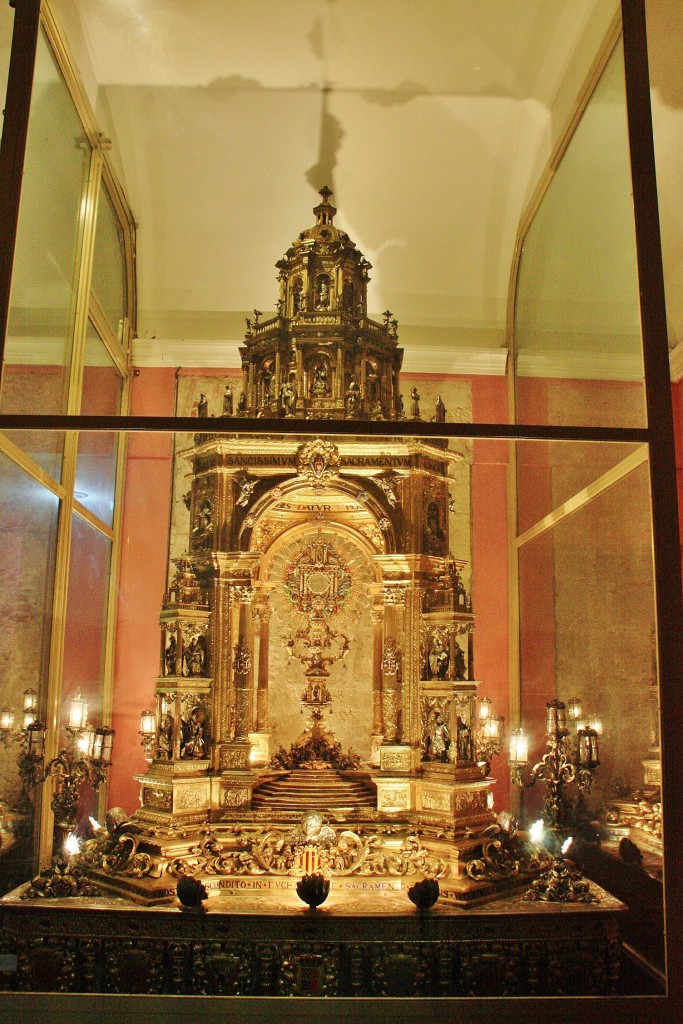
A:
{"x": 484, "y": 709}
{"x": 78, "y": 712}
{"x": 589, "y": 751}
{"x": 86, "y": 740}
{"x": 492, "y": 728}
{"x": 574, "y": 709}
{"x": 519, "y": 747}
{"x": 31, "y": 700}
{"x": 148, "y": 725}
{"x": 104, "y": 741}
{"x": 36, "y": 740}
{"x": 595, "y": 723}
{"x": 6, "y": 719}
{"x": 30, "y": 715}
{"x": 555, "y": 717}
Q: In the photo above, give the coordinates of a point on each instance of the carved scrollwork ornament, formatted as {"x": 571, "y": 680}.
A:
{"x": 391, "y": 656}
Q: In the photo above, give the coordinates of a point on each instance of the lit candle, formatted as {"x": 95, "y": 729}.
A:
{"x": 30, "y": 700}
{"x": 595, "y": 722}
{"x": 588, "y": 748}
{"x": 519, "y": 747}
{"x": 36, "y": 740}
{"x": 86, "y": 740}
{"x": 29, "y": 717}
{"x": 71, "y": 845}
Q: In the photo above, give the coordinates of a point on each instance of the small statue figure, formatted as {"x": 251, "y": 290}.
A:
{"x": 203, "y": 528}
{"x": 322, "y": 300}
{"x": 166, "y": 737}
{"x": 460, "y": 666}
{"x": 288, "y": 394}
{"x": 170, "y": 655}
{"x": 193, "y": 657}
{"x": 400, "y": 411}
{"x": 440, "y": 413}
{"x": 414, "y": 404}
{"x": 296, "y": 297}
{"x": 438, "y": 739}
{"x": 193, "y": 734}
{"x": 352, "y": 399}
{"x": 347, "y": 296}
{"x": 202, "y": 406}
{"x": 464, "y": 745}
{"x": 241, "y": 404}
{"x": 443, "y": 661}
{"x": 321, "y": 384}
{"x": 227, "y": 400}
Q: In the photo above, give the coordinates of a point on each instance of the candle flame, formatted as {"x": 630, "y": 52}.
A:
{"x": 536, "y": 831}
{"x": 94, "y": 824}
{"x": 71, "y": 844}
{"x": 566, "y": 844}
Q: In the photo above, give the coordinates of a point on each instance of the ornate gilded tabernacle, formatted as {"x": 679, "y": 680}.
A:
{"x": 342, "y": 543}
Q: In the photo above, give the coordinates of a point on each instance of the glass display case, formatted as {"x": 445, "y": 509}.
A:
{"x": 344, "y": 615}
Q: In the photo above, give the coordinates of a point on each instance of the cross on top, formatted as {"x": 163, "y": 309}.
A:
{"x": 325, "y": 192}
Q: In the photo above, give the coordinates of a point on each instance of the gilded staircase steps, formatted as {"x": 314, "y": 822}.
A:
{"x": 315, "y": 789}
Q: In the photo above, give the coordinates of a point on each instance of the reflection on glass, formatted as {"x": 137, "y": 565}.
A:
{"x": 86, "y": 613}
{"x": 40, "y": 332}
{"x": 587, "y": 632}
{"x": 96, "y": 474}
{"x": 28, "y": 531}
{"x": 109, "y": 263}
{"x": 550, "y": 473}
{"x": 577, "y": 317}
{"x": 102, "y": 383}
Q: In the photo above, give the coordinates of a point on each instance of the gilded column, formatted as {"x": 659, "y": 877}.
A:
{"x": 377, "y": 619}
{"x": 242, "y": 662}
{"x": 411, "y": 666}
{"x": 263, "y": 660}
{"x": 392, "y": 665}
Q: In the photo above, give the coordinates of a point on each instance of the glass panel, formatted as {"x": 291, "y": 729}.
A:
{"x": 577, "y": 315}
{"x": 102, "y": 382}
{"x": 109, "y": 262}
{"x": 552, "y": 473}
{"x": 40, "y": 331}
{"x": 96, "y": 466}
{"x": 28, "y": 527}
{"x": 588, "y": 631}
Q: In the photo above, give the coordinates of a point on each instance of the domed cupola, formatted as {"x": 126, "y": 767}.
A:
{"x": 320, "y": 356}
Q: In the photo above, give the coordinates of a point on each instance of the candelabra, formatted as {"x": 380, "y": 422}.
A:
{"x": 86, "y": 759}
{"x": 568, "y": 759}
{"x": 29, "y": 736}
{"x": 490, "y": 734}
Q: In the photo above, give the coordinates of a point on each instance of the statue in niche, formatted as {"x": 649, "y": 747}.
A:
{"x": 321, "y": 383}
{"x": 371, "y": 383}
{"x": 297, "y": 290}
{"x": 439, "y": 660}
{"x": 347, "y": 296}
{"x": 202, "y": 530}
{"x": 242, "y": 405}
{"x": 440, "y": 412}
{"x": 170, "y": 656}
{"x": 434, "y": 537}
{"x": 414, "y": 403}
{"x": 202, "y": 406}
{"x": 227, "y": 400}
{"x": 465, "y": 748}
{"x": 268, "y": 386}
{"x": 322, "y": 293}
{"x": 438, "y": 740}
{"x": 460, "y": 666}
{"x": 352, "y": 399}
{"x": 166, "y": 737}
{"x": 288, "y": 394}
{"x": 192, "y": 739}
{"x": 400, "y": 411}
{"x": 194, "y": 657}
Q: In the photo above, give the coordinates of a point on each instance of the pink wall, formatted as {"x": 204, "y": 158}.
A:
{"x": 144, "y": 549}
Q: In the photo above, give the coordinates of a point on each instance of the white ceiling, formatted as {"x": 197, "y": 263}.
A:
{"x": 431, "y": 119}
